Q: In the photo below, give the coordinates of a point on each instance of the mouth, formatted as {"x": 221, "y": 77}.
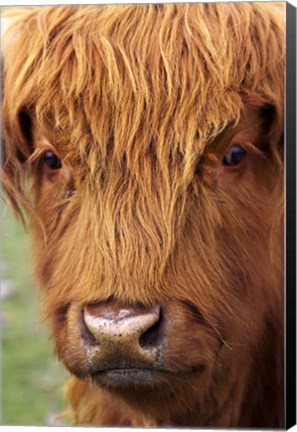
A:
{"x": 135, "y": 377}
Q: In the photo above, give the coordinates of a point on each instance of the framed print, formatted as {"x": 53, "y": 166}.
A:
{"x": 149, "y": 152}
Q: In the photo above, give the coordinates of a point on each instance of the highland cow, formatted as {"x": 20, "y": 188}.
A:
{"x": 144, "y": 146}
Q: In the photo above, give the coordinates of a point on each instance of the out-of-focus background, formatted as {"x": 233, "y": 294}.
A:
{"x": 32, "y": 378}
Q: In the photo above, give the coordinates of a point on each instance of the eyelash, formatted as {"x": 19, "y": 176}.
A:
{"x": 40, "y": 156}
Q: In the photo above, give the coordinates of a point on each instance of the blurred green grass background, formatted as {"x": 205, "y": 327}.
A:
{"x": 32, "y": 378}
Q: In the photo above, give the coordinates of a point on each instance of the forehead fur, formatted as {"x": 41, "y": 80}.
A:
{"x": 133, "y": 75}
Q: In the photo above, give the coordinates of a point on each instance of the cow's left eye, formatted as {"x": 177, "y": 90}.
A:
{"x": 52, "y": 160}
{"x": 234, "y": 156}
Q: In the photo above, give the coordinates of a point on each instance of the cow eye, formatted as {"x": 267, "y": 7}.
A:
{"x": 234, "y": 156}
{"x": 52, "y": 160}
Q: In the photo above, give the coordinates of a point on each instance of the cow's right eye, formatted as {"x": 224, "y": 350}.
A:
{"x": 52, "y": 160}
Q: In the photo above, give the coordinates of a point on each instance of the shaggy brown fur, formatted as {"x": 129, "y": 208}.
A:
{"x": 141, "y": 103}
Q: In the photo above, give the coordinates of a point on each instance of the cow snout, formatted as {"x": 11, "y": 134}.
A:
{"x": 122, "y": 338}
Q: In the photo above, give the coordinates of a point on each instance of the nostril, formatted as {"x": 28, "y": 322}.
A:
{"x": 153, "y": 336}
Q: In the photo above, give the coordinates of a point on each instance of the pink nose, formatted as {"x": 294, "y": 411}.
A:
{"x": 121, "y": 337}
